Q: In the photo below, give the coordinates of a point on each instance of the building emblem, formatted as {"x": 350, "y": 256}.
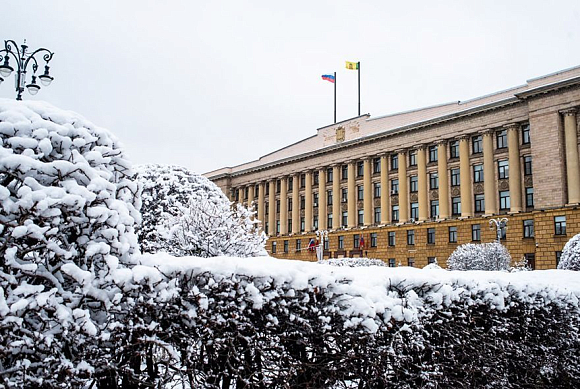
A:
{"x": 340, "y": 134}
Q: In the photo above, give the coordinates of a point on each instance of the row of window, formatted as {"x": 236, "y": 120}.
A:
{"x": 479, "y": 207}
{"x": 455, "y": 175}
{"x": 528, "y": 232}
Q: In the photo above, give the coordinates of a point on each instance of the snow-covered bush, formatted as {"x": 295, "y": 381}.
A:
{"x": 353, "y": 262}
{"x": 276, "y": 324}
{"x": 67, "y": 216}
{"x": 570, "y": 259}
{"x": 186, "y": 214}
{"x": 485, "y": 256}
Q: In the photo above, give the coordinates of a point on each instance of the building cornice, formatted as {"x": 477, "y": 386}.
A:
{"x": 548, "y": 88}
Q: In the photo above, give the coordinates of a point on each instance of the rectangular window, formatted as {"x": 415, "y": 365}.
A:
{"x": 479, "y": 203}
{"x": 278, "y": 185}
{"x": 530, "y": 197}
{"x": 410, "y": 237}
{"x": 394, "y": 162}
{"x": 433, "y": 180}
{"x": 391, "y": 238}
{"x": 413, "y": 158}
{"x": 285, "y": 246}
{"x": 501, "y": 137}
{"x": 411, "y": 262}
{"x": 277, "y": 206}
{"x": 477, "y": 142}
{"x": 329, "y": 197}
{"x": 391, "y": 262}
{"x": 558, "y": 256}
{"x": 315, "y": 200}
{"x": 289, "y": 204}
{"x": 454, "y": 149}
{"x": 431, "y": 260}
{"x": 345, "y": 219}
{"x": 329, "y": 220}
{"x": 302, "y": 180}
{"x": 329, "y": 175}
{"x": 455, "y": 177}
{"x": 413, "y": 184}
{"x": 477, "y": 173}
{"x": 504, "y": 200}
{"x": 266, "y": 208}
{"x": 289, "y": 225}
{"x": 341, "y": 242}
{"x": 247, "y": 191}
{"x": 528, "y": 228}
{"x": 344, "y": 195}
{"x": 273, "y": 247}
{"x": 360, "y": 169}
{"x": 356, "y": 241}
{"x": 395, "y": 213}
{"x": 267, "y": 189}
{"x": 315, "y": 177}
{"x": 361, "y": 217}
{"x": 373, "y": 239}
{"x": 326, "y": 244}
{"x": 277, "y": 226}
{"x": 434, "y": 209}
{"x": 456, "y": 206}
{"x": 302, "y": 224}
{"x": 315, "y": 222}
{"x": 394, "y": 187}
{"x": 430, "y": 235}
{"x": 528, "y": 165}
{"x": 432, "y": 153}
{"x": 503, "y": 170}
{"x": 452, "y": 234}
{"x": 290, "y": 181}
{"x": 414, "y": 211}
{"x": 377, "y": 190}
{"x": 376, "y": 165}
{"x": 302, "y": 202}
{"x": 344, "y": 173}
{"x": 526, "y": 134}
{"x": 560, "y": 225}
{"x": 360, "y": 193}
{"x": 531, "y": 260}
{"x": 377, "y": 215}
{"x": 476, "y": 232}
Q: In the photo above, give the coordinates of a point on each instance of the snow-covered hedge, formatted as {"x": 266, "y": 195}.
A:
{"x": 482, "y": 256}
{"x": 352, "y": 262}
{"x": 255, "y": 322}
{"x": 570, "y": 259}
{"x": 186, "y": 214}
{"x": 67, "y": 213}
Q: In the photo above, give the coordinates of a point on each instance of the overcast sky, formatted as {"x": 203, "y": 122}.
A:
{"x": 208, "y": 84}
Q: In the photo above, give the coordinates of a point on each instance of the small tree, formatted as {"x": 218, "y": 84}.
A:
{"x": 210, "y": 227}
{"x": 186, "y": 214}
{"x": 570, "y": 259}
{"x": 486, "y": 256}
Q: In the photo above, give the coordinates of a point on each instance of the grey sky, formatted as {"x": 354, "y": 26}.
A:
{"x": 212, "y": 84}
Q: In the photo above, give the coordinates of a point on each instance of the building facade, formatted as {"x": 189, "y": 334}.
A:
{"x": 413, "y": 185}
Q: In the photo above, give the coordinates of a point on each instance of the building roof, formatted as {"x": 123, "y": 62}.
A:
{"x": 365, "y": 126}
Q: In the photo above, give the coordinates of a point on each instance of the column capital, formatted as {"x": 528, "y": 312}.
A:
{"x": 512, "y": 126}
{"x": 383, "y": 154}
{"x": 401, "y": 151}
{"x": 569, "y": 111}
{"x": 464, "y": 137}
{"x": 421, "y": 146}
{"x": 441, "y": 142}
{"x": 487, "y": 131}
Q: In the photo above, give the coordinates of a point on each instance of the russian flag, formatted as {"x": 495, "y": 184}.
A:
{"x": 328, "y": 77}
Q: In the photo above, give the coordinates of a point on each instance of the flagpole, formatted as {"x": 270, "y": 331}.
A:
{"x": 358, "y": 67}
{"x": 334, "y": 97}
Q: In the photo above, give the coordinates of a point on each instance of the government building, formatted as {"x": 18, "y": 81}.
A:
{"x": 408, "y": 188}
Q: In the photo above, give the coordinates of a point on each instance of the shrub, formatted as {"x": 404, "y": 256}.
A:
{"x": 486, "y": 256}
{"x": 570, "y": 259}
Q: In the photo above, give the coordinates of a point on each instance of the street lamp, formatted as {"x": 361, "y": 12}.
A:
{"x": 23, "y": 59}
{"x": 499, "y": 224}
{"x": 322, "y": 235}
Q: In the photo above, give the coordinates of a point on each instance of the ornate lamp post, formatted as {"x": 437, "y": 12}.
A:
{"x": 23, "y": 59}
{"x": 499, "y": 224}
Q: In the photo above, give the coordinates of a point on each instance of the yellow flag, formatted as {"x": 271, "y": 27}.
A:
{"x": 352, "y": 65}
